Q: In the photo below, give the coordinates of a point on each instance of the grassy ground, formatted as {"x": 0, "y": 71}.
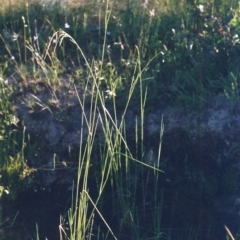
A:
{"x": 145, "y": 54}
{"x": 195, "y": 48}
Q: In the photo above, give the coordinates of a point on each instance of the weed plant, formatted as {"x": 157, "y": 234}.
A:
{"x": 13, "y": 167}
{"x": 115, "y": 166}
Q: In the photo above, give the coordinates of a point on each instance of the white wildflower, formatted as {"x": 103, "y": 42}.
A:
{"x": 109, "y": 49}
{"x": 67, "y": 25}
{"x": 191, "y": 46}
{"x": 201, "y": 8}
{"x": 14, "y": 120}
{"x": 120, "y": 44}
{"x": 110, "y": 94}
{"x": 23, "y": 18}
{"x": 6, "y": 191}
{"x": 235, "y": 36}
{"x": 152, "y": 13}
{"x": 15, "y": 36}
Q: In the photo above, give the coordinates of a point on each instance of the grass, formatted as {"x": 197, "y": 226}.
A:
{"x": 184, "y": 36}
{"x": 127, "y": 54}
{"x": 112, "y": 160}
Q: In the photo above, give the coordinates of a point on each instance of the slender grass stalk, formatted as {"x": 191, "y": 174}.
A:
{"x": 78, "y": 213}
{"x": 37, "y": 235}
{"x": 160, "y": 142}
{"x": 35, "y": 38}
{"x": 106, "y": 21}
{"x": 95, "y": 207}
{"x": 28, "y": 23}
{"x": 24, "y": 38}
{"x": 229, "y": 234}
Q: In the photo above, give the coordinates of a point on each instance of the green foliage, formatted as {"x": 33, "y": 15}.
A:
{"x": 13, "y": 168}
{"x": 198, "y": 42}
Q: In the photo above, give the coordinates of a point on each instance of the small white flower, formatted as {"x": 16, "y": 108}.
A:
{"x": 12, "y": 58}
{"x": 35, "y": 38}
{"x": 110, "y": 94}
{"x": 201, "y": 8}
{"x": 152, "y": 13}
{"x": 235, "y": 36}
{"x": 67, "y": 25}
{"x": 6, "y": 82}
{"x": 6, "y": 191}
{"x": 14, "y": 120}
{"x": 120, "y": 44}
{"x": 191, "y": 46}
{"x": 109, "y": 49}
{"x": 54, "y": 41}
{"x": 15, "y": 36}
